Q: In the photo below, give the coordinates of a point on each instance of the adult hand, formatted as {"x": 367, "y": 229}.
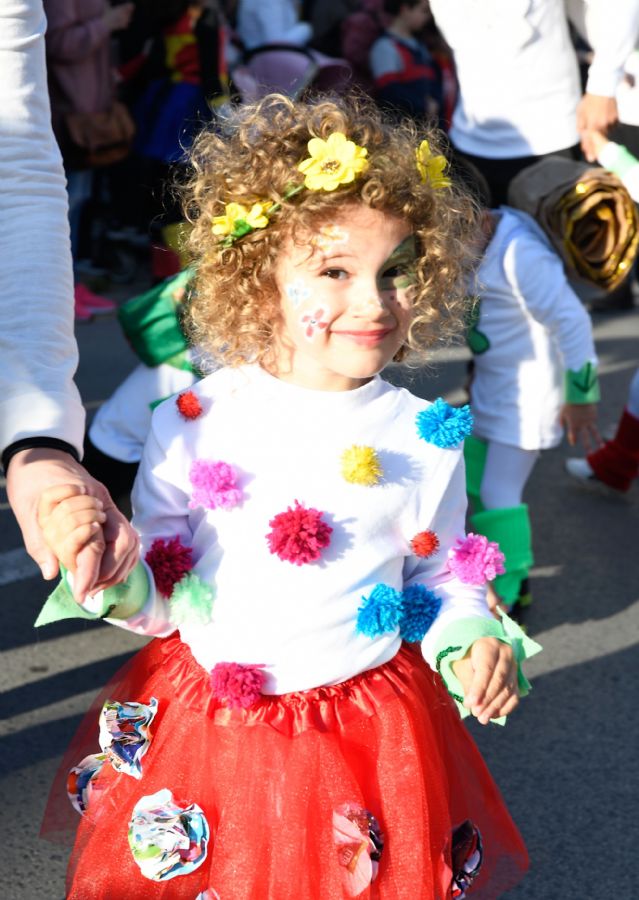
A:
{"x": 488, "y": 675}
{"x": 108, "y": 557}
{"x": 594, "y": 113}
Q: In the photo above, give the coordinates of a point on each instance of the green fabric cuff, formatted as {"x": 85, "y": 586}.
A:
{"x": 582, "y": 386}
{"x": 118, "y": 602}
{"x": 619, "y": 159}
{"x": 456, "y": 639}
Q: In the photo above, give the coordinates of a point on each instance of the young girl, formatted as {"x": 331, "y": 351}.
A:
{"x": 302, "y": 528}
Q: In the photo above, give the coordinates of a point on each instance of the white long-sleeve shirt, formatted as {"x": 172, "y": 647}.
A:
{"x": 38, "y": 352}
{"x": 285, "y": 443}
{"x": 518, "y": 75}
{"x": 537, "y": 329}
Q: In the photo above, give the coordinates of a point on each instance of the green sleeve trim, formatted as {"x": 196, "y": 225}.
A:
{"x": 622, "y": 161}
{"x": 582, "y": 386}
{"x": 457, "y": 638}
{"x": 121, "y": 601}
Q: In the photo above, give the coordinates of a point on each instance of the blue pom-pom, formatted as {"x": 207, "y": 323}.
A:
{"x": 420, "y": 607}
{"x": 444, "y": 425}
{"x": 380, "y": 611}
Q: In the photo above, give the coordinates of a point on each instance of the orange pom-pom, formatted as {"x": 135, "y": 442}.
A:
{"x": 188, "y": 405}
{"x": 425, "y": 543}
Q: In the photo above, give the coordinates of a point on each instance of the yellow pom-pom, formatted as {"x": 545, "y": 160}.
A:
{"x": 361, "y": 465}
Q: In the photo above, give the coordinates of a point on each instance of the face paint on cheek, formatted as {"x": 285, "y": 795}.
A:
{"x": 398, "y": 272}
{"x": 314, "y": 323}
{"x": 297, "y": 292}
{"x": 330, "y": 236}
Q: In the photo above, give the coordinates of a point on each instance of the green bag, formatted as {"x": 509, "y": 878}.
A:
{"x": 151, "y": 321}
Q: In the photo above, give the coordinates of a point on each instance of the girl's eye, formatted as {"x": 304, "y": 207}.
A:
{"x": 339, "y": 274}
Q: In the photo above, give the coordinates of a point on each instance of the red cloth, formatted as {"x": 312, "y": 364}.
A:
{"x": 617, "y": 462}
{"x": 270, "y": 777}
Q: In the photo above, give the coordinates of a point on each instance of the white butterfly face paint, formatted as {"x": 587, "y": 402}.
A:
{"x": 298, "y": 292}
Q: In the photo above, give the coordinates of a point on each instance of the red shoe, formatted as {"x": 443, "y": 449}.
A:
{"x": 87, "y": 303}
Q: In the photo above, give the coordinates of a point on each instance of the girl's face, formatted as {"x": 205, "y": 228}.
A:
{"x": 345, "y": 294}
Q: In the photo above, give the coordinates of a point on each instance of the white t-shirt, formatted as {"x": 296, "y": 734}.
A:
{"x": 519, "y": 82}
{"x": 285, "y": 443}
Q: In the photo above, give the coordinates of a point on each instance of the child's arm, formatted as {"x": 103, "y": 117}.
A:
{"x": 538, "y": 281}
{"x": 618, "y": 160}
{"x": 477, "y": 655}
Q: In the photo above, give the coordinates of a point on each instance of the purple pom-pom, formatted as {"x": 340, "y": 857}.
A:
{"x": 476, "y": 560}
{"x": 213, "y": 485}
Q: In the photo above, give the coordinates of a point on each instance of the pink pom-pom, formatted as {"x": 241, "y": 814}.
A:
{"x": 213, "y": 485}
{"x": 188, "y": 405}
{"x": 169, "y": 561}
{"x": 237, "y": 685}
{"x": 299, "y": 535}
{"x": 475, "y": 560}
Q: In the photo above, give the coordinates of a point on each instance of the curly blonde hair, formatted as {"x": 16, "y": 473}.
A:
{"x": 235, "y": 309}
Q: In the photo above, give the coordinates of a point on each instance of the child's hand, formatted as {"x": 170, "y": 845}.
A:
{"x": 488, "y": 675}
{"x": 595, "y": 141}
{"x": 580, "y": 421}
{"x": 70, "y": 519}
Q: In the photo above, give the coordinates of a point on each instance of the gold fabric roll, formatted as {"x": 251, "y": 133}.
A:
{"x": 586, "y": 212}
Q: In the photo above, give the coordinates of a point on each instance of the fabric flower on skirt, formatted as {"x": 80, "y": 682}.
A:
{"x": 476, "y": 560}
{"x": 380, "y": 611}
{"x": 169, "y": 561}
{"x": 444, "y": 425}
{"x": 467, "y": 857}
{"x": 237, "y": 686}
{"x": 359, "y": 842}
{"x": 167, "y": 839}
{"x": 125, "y": 734}
{"x": 298, "y": 535}
{"x": 361, "y": 465}
{"x": 213, "y": 485}
{"x": 425, "y": 544}
{"x": 82, "y": 780}
{"x": 420, "y": 608}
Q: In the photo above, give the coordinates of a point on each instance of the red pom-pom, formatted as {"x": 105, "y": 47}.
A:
{"x": 237, "y": 685}
{"x": 188, "y": 405}
{"x": 425, "y": 543}
{"x": 299, "y": 535}
{"x": 169, "y": 561}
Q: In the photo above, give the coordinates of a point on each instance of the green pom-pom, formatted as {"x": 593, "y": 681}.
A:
{"x": 191, "y": 601}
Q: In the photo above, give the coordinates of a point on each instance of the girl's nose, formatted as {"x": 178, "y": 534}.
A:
{"x": 370, "y": 303}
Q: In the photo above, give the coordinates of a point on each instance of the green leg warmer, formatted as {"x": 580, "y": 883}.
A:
{"x": 475, "y": 451}
{"x": 510, "y": 527}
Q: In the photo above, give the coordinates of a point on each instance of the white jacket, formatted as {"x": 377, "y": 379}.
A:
{"x": 38, "y": 352}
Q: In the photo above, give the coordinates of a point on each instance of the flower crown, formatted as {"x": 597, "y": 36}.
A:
{"x": 332, "y": 162}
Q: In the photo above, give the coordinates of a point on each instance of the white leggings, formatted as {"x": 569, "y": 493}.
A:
{"x": 633, "y": 396}
{"x": 505, "y": 475}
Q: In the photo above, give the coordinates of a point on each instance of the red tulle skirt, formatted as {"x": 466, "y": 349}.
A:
{"x": 278, "y": 782}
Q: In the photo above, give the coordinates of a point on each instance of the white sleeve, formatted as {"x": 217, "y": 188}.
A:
{"x": 271, "y": 23}
{"x": 458, "y": 600}
{"x": 37, "y": 346}
{"x": 612, "y": 34}
{"x": 159, "y": 511}
{"x": 537, "y": 278}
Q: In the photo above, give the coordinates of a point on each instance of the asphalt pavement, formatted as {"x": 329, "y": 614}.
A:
{"x": 566, "y": 761}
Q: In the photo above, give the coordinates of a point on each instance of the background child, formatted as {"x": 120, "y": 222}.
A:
{"x": 534, "y": 373}
{"x": 299, "y": 517}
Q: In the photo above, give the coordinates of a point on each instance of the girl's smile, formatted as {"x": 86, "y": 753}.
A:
{"x": 346, "y": 305}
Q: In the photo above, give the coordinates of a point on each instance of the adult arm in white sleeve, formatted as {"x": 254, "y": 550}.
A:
{"x": 612, "y": 34}
{"x": 37, "y": 344}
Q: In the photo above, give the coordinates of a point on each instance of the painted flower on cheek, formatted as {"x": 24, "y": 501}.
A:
{"x": 314, "y": 323}
{"x": 297, "y": 292}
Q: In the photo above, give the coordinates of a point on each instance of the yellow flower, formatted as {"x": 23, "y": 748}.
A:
{"x": 431, "y": 168}
{"x": 238, "y": 220}
{"x": 361, "y": 465}
{"x": 332, "y": 162}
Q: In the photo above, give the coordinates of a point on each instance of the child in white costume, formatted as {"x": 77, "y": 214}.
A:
{"x": 302, "y": 523}
{"x": 534, "y": 373}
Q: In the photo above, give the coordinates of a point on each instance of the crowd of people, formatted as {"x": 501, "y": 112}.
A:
{"x": 320, "y": 189}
